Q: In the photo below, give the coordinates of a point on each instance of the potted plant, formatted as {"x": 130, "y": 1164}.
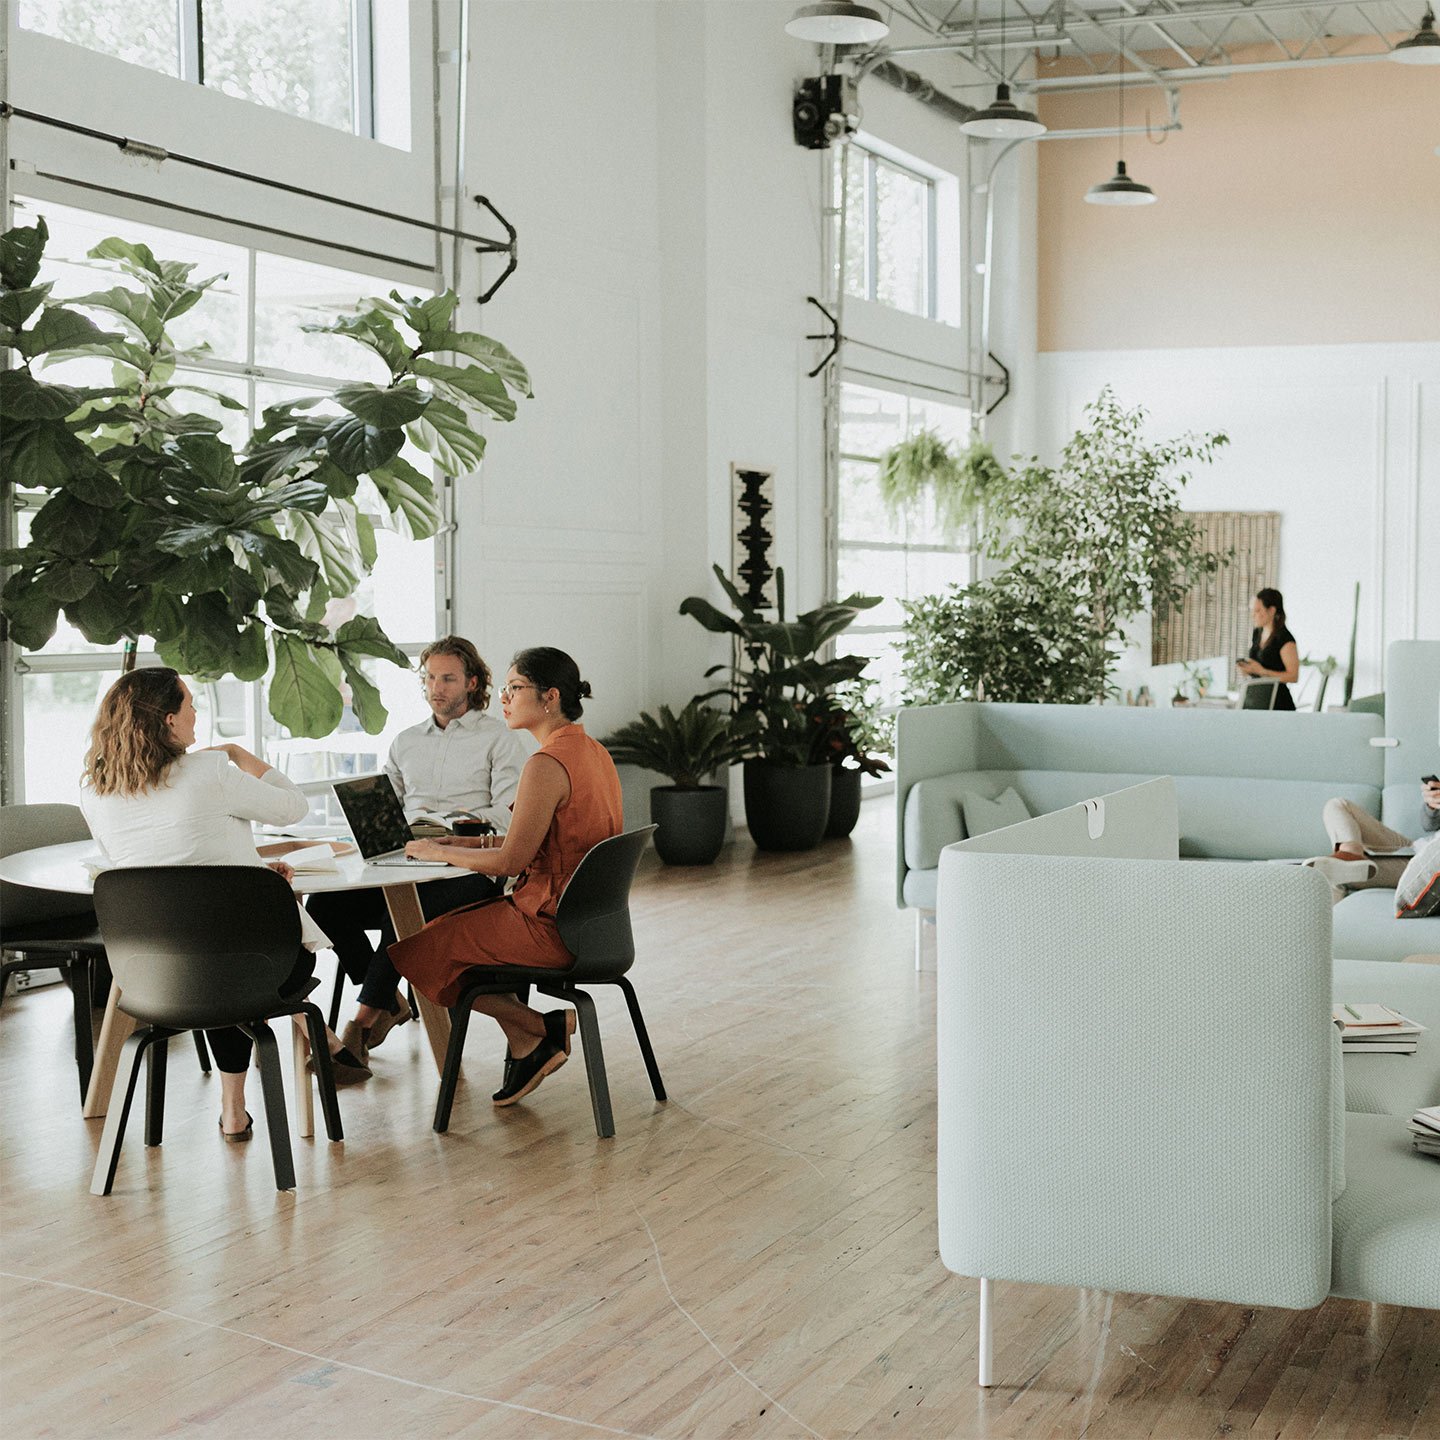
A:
{"x": 857, "y": 738}
{"x": 686, "y": 748}
{"x": 777, "y": 685}
{"x": 926, "y": 465}
{"x": 153, "y": 526}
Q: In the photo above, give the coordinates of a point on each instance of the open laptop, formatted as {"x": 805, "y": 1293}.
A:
{"x": 377, "y": 821}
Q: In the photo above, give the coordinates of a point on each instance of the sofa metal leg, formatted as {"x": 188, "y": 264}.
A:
{"x": 987, "y": 1333}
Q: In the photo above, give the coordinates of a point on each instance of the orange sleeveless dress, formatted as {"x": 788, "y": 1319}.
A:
{"x": 519, "y": 928}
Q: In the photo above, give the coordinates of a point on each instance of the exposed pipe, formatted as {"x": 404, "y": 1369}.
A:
{"x": 907, "y": 82}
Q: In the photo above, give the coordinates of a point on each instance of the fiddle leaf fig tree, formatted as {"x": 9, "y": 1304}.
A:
{"x": 152, "y": 525}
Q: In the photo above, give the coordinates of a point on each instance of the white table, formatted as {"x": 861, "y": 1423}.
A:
{"x": 68, "y": 868}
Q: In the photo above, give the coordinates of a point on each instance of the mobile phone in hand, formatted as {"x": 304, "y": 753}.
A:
{"x": 1430, "y": 780}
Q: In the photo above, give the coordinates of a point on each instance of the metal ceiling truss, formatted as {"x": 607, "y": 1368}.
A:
{"x": 1163, "y": 41}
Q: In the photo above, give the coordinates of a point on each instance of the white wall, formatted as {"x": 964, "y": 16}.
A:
{"x": 1342, "y": 440}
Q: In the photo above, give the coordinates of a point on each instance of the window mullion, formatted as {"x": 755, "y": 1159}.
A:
{"x": 192, "y": 41}
{"x": 872, "y": 229}
{"x": 362, "y": 67}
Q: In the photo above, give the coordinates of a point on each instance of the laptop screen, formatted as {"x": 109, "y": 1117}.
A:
{"x": 374, "y": 813}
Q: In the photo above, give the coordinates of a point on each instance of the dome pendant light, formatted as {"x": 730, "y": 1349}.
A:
{"x": 1423, "y": 47}
{"x": 1120, "y": 189}
{"x": 837, "y": 22}
{"x": 1002, "y": 119}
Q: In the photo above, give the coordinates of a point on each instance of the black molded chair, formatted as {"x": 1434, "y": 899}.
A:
{"x": 198, "y": 947}
{"x": 50, "y": 929}
{"x": 593, "y": 918}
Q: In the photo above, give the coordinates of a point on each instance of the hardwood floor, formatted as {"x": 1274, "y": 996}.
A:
{"x": 756, "y": 1258}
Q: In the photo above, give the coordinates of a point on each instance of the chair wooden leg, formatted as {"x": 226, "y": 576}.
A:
{"x": 156, "y": 1059}
{"x": 272, "y": 1087}
{"x": 9, "y": 968}
{"x": 127, "y": 1074}
{"x": 84, "y": 1028}
{"x": 594, "y": 1064}
{"x": 643, "y": 1036}
{"x": 324, "y": 1073}
{"x": 454, "y": 1054}
{"x": 202, "y": 1051}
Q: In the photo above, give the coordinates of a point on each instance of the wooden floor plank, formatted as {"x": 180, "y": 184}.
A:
{"x": 756, "y": 1259}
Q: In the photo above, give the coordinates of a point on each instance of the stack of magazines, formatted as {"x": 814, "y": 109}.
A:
{"x": 1376, "y": 1030}
{"x": 1425, "y": 1130}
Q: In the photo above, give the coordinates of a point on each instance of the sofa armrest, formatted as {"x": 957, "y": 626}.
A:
{"x": 1135, "y": 1079}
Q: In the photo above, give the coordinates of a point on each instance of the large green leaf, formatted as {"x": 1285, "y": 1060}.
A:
{"x": 363, "y": 636}
{"x": 357, "y": 447}
{"x": 17, "y": 306}
{"x": 386, "y": 408}
{"x": 23, "y": 397}
{"x": 95, "y": 486}
{"x": 302, "y": 697}
{"x": 113, "y": 347}
{"x": 138, "y": 257}
{"x": 365, "y": 699}
{"x": 42, "y": 456}
{"x": 209, "y": 640}
{"x": 58, "y": 329}
{"x": 373, "y": 329}
{"x": 409, "y": 494}
{"x": 30, "y": 613}
{"x": 283, "y": 558}
{"x": 716, "y": 621}
{"x": 66, "y": 526}
{"x": 164, "y": 616}
{"x": 21, "y": 250}
{"x": 68, "y": 580}
{"x": 490, "y": 353}
{"x": 134, "y": 308}
{"x": 252, "y": 656}
{"x": 211, "y": 460}
{"x": 326, "y": 540}
{"x": 428, "y": 314}
{"x": 468, "y": 384}
{"x": 103, "y": 614}
{"x": 444, "y": 432}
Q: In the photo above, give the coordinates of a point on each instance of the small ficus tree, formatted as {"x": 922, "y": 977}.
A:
{"x": 154, "y": 526}
{"x": 1087, "y": 546}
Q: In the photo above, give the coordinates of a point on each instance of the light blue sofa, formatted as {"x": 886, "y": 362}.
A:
{"x": 1139, "y": 1088}
{"x": 1251, "y": 785}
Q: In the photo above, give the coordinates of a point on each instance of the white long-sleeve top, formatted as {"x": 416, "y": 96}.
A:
{"x": 473, "y": 764}
{"x": 199, "y": 814}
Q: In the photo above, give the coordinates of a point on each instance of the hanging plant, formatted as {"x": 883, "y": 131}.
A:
{"x": 958, "y": 485}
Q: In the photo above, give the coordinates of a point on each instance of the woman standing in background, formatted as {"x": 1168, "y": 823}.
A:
{"x": 1274, "y": 654}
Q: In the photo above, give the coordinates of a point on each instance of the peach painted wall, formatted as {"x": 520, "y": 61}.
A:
{"x": 1296, "y": 208}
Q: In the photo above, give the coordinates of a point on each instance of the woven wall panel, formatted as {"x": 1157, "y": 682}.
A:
{"x": 1214, "y": 618}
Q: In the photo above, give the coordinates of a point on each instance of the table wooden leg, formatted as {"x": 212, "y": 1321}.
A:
{"x": 403, "y": 902}
{"x": 114, "y": 1032}
{"x": 304, "y": 1093}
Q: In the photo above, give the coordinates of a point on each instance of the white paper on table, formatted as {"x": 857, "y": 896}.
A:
{"x": 313, "y": 860}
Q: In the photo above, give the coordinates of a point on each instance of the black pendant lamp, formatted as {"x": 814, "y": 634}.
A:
{"x": 1120, "y": 189}
{"x": 1423, "y": 47}
{"x": 1002, "y": 118}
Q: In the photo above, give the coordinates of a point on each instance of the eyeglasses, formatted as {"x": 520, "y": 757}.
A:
{"x": 508, "y": 692}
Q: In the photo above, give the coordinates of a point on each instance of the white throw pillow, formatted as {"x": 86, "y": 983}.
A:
{"x": 982, "y": 815}
{"x": 1418, "y": 893}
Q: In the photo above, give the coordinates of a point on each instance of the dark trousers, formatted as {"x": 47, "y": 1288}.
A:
{"x": 231, "y": 1046}
{"x": 345, "y": 916}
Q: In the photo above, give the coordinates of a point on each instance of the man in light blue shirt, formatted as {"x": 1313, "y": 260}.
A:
{"x": 460, "y": 764}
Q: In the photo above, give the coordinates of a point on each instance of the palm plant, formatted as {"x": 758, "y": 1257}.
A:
{"x": 685, "y": 748}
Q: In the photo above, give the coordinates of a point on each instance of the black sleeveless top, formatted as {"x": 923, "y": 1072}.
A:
{"x": 1268, "y": 658}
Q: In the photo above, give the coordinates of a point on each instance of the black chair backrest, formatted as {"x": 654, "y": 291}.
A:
{"x": 198, "y": 945}
{"x": 28, "y": 827}
{"x": 593, "y": 916}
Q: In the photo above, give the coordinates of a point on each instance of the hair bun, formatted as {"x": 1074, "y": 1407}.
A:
{"x": 585, "y": 690}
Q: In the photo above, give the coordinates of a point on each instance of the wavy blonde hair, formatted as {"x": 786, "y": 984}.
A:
{"x": 131, "y": 747}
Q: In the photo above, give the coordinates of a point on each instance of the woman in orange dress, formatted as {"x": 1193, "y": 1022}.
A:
{"x": 567, "y": 802}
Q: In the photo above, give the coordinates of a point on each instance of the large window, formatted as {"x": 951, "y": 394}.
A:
{"x": 877, "y": 553}
{"x": 890, "y": 231}
{"x": 244, "y": 339}
{"x": 311, "y": 58}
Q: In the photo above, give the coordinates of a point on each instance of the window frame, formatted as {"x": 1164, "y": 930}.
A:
{"x": 872, "y": 159}
{"x": 18, "y": 663}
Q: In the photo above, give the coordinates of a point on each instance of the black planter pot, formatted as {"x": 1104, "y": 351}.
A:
{"x": 844, "y": 802}
{"x": 786, "y": 806}
{"x": 692, "y": 823}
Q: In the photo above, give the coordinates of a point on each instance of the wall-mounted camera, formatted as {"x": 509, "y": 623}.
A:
{"x": 825, "y": 109}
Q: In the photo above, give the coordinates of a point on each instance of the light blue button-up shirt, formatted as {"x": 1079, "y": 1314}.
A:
{"x": 472, "y": 766}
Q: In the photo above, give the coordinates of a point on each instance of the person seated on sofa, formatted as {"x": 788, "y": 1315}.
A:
{"x": 1274, "y": 654}
{"x": 1354, "y": 831}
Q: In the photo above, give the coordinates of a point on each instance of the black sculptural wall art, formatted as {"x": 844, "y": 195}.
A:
{"x": 752, "y": 563}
